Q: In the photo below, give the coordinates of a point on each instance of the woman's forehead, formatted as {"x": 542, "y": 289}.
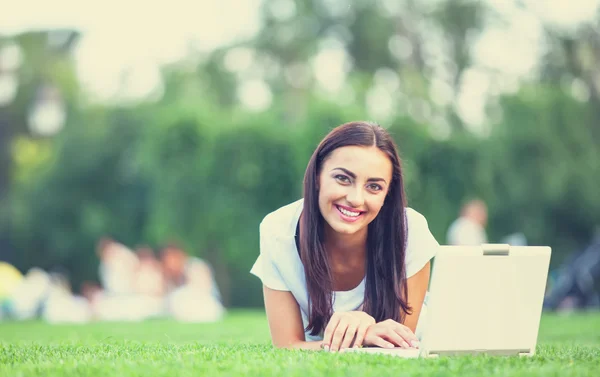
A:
{"x": 360, "y": 160}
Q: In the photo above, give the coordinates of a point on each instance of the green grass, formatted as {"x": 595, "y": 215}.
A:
{"x": 240, "y": 345}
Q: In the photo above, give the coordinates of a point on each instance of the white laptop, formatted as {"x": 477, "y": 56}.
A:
{"x": 482, "y": 299}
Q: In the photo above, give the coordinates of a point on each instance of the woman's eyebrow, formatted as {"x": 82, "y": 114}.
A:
{"x": 353, "y": 176}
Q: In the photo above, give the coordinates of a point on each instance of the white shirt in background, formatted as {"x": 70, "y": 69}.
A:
{"x": 466, "y": 232}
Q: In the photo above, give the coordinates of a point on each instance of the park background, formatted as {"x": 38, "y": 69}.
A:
{"x": 188, "y": 122}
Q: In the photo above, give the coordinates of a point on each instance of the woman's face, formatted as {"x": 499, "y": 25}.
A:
{"x": 353, "y": 184}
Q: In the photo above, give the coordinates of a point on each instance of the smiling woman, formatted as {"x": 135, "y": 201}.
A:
{"x": 348, "y": 264}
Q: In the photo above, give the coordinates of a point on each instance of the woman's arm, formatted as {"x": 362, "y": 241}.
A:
{"x": 417, "y": 287}
{"x": 285, "y": 321}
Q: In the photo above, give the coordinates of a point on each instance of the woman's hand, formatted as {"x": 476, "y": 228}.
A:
{"x": 389, "y": 334}
{"x": 346, "y": 329}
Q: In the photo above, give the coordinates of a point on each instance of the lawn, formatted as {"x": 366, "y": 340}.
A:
{"x": 240, "y": 345}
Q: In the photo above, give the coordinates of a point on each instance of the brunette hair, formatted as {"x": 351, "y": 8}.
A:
{"x": 385, "y": 289}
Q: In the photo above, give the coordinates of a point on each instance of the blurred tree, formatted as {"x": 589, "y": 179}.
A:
{"x": 570, "y": 63}
{"x": 41, "y": 64}
{"x": 545, "y": 164}
{"x": 88, "y": 188}
{"x": 208, "y": 187}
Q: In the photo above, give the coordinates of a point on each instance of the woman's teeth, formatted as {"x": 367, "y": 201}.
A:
{"x": 348, "y": 213}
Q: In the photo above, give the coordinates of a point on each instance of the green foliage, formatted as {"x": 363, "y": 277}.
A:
{"x": 205, "y": 179}
{"x": 85, "y": 191}
{"x": 210, "y": 187}
{"x": 369, "y": 48}
{"x": 544, "y": 161}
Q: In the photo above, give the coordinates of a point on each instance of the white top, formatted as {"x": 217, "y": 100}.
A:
{"x": 466, "y": 232}
{"x": 280, "y": 268}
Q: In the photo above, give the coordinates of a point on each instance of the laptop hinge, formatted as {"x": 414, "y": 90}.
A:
{"x": 505, "y": 352}
{"x": 495, "y": 249}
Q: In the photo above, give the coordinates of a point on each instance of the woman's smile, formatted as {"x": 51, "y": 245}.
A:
{"x": 349, "y": 214}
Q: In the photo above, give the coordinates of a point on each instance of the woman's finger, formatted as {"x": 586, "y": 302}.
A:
{"x": 360, "y": 335}
{"x": 401, "y": 328}
{"x": 349, "y": 336}
{"x": 407, "y": 335}
{"x": 405, "y": 332}
{"x": 378, "y": 341}
{"x": 329, "y": 331}
{"x": 392, "y": 336}
{"x": 338, "y": 336}
{"x": 411, "y": 334}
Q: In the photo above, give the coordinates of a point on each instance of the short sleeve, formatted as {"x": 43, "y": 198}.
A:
{"x": 421, "y": 246}
{"x": 265, "y": 267}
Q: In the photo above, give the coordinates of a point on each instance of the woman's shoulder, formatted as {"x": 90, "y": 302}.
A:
{"x": 421, "y": 246}
{"x": 417, "y": 225}
{"x": 282, "y": 222}
{"x": 277, "y": 239}
{"x": 415, "y": 218}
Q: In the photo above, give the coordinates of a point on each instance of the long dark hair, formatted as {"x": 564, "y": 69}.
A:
{"x": 385, "y": 289}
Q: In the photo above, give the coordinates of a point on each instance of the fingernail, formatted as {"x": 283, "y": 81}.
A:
{"x": 326, "y": 348}
{"x": 390, "y": 345}
{"x": 405, "y": 345}
{"x": 415, "y": 343}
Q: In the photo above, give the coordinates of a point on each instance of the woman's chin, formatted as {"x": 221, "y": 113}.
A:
{"x": 345, "y": 228}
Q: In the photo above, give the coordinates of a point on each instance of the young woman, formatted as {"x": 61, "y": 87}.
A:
{"x": 347, "y": 265}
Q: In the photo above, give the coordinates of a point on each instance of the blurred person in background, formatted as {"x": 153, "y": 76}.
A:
{"x": 576, "y": 283}
{"x": 193, "y": 293}
{"x": 173, "y": 260}
{"x": 61, "y": 305}
{"x": 93, "y": 293}
{"x": 149, "y": 283}
{"x": 118, "y": 265}
{"x": 149, "y": 278}
{"x": 469, "y": 228}
{"x": 10, "y": 279}
{"x": 27, "y": 299}
{"x": 122, "y": 297}
{"x": 46, "y": 295}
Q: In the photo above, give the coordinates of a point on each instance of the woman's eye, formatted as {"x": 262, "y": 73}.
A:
{"x": 375, "y": 187}
{"x": 342, "y": 178}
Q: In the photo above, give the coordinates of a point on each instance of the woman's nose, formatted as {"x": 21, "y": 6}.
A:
{"x": 355, "y": 197}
